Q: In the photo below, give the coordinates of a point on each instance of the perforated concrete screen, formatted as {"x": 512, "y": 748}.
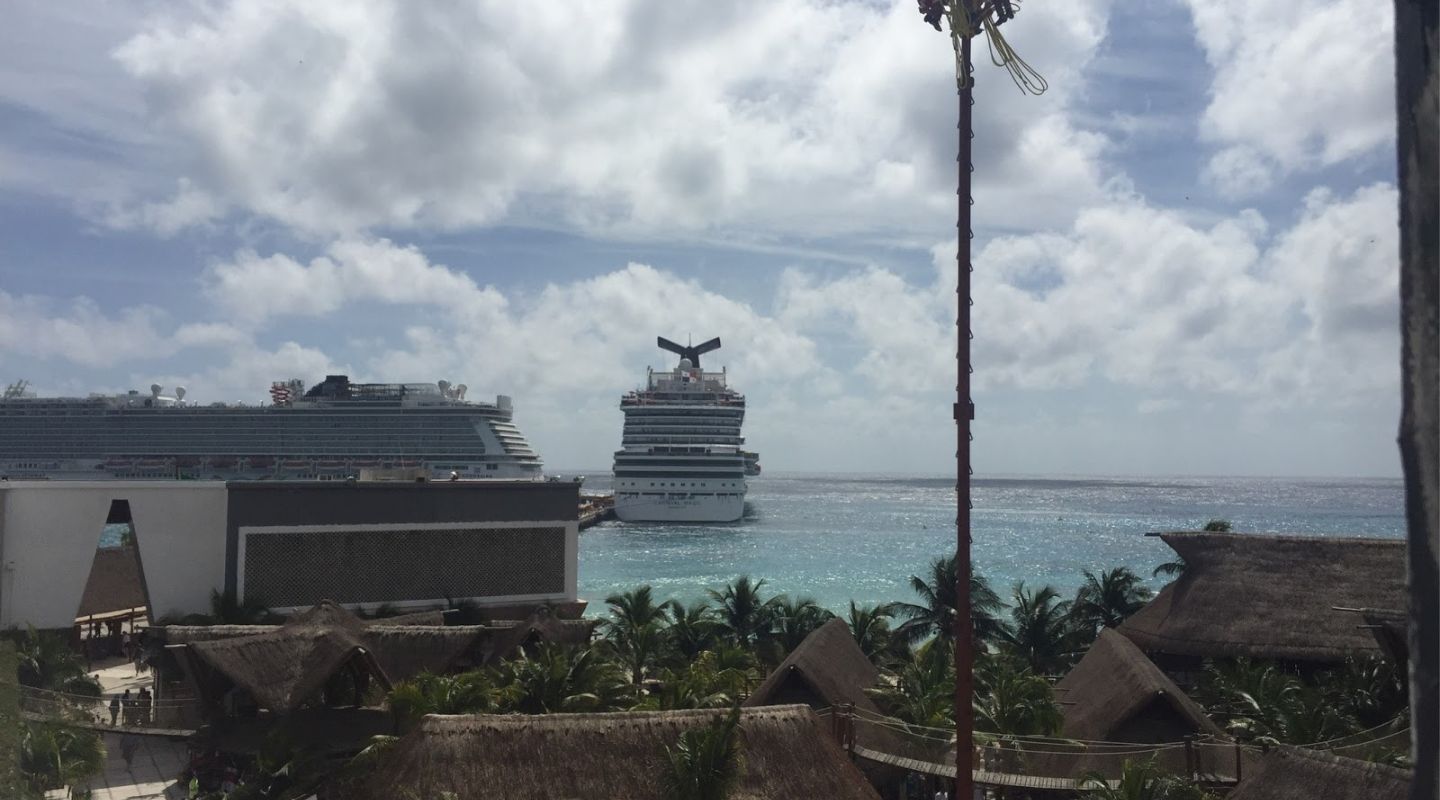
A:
{"x": 286, "y": 567}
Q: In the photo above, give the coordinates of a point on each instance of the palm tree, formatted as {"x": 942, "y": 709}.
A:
{"x": 703, "y": 683}
{"x": 1010, "y": 700}
{"x": 1140, "y": 780}
{"x": 467, "y": 693}
{"x": 53, "y": 756}
{"x": 558, "y": 678}
{"x": 638, "y": 649}
{"x": 743, "y": 615}
{"x": 870, "y": 625}
{"x": 706, "y": 763}
{"x": 934, "y": 615}
{"x": 1040, "y": 633}
{"x": 635, "y": 609}
{"x": 1217, "y": 526}
{"x": 794, "y": 620}
{"x": 1260, "y": 702}
{"x": 1170, "y": 569}
{"x": 45, "y": 661}
{"x": 1106, "y": 599}
{"x": 692, "y": 630}
{"x": 923, "y": 692}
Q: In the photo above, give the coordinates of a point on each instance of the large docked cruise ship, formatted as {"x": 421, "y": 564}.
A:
{"x": 334, "y": 430}
{"x": 681, "y": 458}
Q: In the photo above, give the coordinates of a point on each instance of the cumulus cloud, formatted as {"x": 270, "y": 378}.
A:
{"x": 1144, "y": 298}
{"x": 79, "y": 331}
{"x": 1297, "y": 84}
{"x": 800, "y": 116}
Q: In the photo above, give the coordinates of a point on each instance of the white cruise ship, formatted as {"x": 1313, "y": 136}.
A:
{"x": 681, "y": 458}
{"x": 332, "y": 431}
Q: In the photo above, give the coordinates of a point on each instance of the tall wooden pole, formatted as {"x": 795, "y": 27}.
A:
{"x": 964, "y": 413}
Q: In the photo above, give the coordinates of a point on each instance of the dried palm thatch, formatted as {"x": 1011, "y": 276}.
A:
{"x": 1117, "y": 694}
{"x": 1289, "y": 773}
{"x": 827, "y": 669}
{"x": 186, "y": 634}
{"x": 601, "y": 757}
{"x": 283, "y": 668}
{"x": 1269, "y": 596}
{"x": 406, "y": 651}
{"x": 433, "y": 618}
{"x": 115, "y": 583}
{"x": 508, "y": 637}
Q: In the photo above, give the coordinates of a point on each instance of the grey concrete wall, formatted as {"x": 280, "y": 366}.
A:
{"x": 402, "y": 542}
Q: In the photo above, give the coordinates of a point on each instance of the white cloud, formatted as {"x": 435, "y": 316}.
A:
{"x": 1297, "y": 84}
{"x": 1143, "y": 298}
{"x": 798, "y": 116}
{"x": 79, "y": 331}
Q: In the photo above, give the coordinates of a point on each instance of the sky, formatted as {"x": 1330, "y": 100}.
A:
{"x": 1185, "y": 252}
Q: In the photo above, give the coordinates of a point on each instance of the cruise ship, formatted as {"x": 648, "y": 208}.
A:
{"x": 681, "y": 458}
{"x": 332, "y": 431}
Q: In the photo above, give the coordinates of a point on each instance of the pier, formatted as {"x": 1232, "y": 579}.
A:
{"x": 596, "y": 508}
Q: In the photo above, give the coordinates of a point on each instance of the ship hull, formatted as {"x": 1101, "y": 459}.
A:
{"x": 679, "y": 508}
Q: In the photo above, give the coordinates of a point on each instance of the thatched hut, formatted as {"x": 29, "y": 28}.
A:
{"x": 827, "y": 669}
{"x": 1289, "y": 773}
{"x": 283, "y": 668}
{"x": 787, "y": 753}
{"x": 1269, "y": 596}
{"x": 510, "y": 637}
{"x": 1117, "y": 694}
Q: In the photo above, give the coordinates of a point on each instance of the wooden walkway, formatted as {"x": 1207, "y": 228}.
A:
{"x": 980, "y": 776}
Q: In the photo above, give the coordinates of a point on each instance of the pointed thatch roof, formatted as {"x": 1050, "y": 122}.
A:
{"x": 828, "y": 666}
{"x": 284, "y": 667}
{"x": 1269, "y": 596}
{"x": 788, "y": 755}
{"x": 115, "y": 583}
{"x": 1289, "y": 773}
{"x": 1113, "y": 684}
{"x": 541, "y": 625}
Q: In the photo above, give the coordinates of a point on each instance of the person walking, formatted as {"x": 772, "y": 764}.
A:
{"x": 127, "y": 708}
{"x": 114, "y": 708}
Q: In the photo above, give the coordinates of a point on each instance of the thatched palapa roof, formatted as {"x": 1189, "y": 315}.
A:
{"x": 1112, "y": 685}
{"x": 541, "y": 625}
{"x": 828, "y": 666}
{"x": 1270, "y": 596}
{"x": 788, "y": 755}
{"x": 1289, "y": 773}
{"x": 284, "y": 667}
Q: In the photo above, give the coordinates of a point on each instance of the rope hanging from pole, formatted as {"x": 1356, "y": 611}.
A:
{"x": 969, "y": 18}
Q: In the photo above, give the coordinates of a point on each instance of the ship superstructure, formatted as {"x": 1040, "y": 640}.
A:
{"x": 332, "y": 431}
{"x": 681, "y": 458}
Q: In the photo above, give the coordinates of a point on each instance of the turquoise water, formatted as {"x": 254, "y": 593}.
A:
{"x": 838, "y": 537}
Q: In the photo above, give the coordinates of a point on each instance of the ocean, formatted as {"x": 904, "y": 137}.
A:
{"x": 835, "y": 538}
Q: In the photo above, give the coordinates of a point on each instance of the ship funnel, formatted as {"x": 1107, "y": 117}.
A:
{"x": 692, "y": 353}
{"x": 155, "y": 390}
{"x": 179, "y": 392}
